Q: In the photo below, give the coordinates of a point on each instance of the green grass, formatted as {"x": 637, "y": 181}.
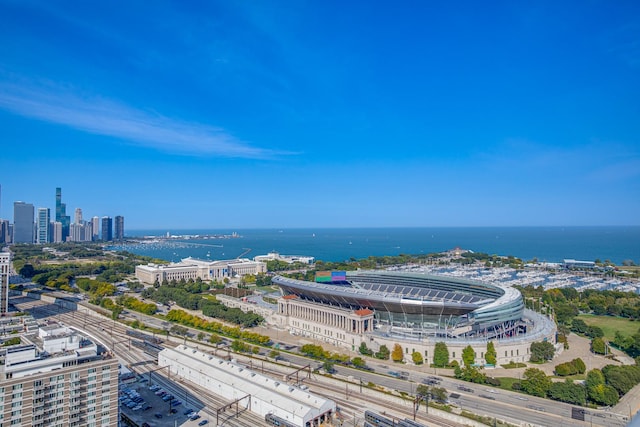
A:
{"x": 610, "y": 325}
{"x": 576, "y": 377}
{"x": 506, "y": 382}
{"x": 513, "y": 365}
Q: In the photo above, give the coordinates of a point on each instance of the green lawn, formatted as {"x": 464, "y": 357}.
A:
{"x": 611, "y": 324}
{"x": 506, "y": 382}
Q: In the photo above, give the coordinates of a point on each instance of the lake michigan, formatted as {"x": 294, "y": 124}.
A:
{"x": 550, "y": 244}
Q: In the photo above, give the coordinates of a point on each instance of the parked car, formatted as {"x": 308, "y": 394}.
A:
{"x": 203, "y": 422}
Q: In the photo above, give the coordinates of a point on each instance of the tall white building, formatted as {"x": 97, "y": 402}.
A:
{"x": 78, "y": 217}
{"x": 95, "y": 228}
{"x": 5, "y": 264}
{"x": 81, "y": 232}
{"x": 44, "y": 219}
{"x": 57, "y": 232}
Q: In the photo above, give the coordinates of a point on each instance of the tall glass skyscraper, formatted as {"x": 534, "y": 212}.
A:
{"x": 61, "y": 214}
{"x": 44, "y": 218}
{"x": 23, "y": 223}
{"x": 118, "y": 233}
{"x": 107, "y": 228}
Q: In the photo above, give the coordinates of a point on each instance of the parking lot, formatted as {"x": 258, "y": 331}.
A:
{"x": 155, "y": 406}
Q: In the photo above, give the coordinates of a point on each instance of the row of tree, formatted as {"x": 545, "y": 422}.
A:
{"x": 601, "y": 387}
{"x": 576, "y": 366}
{"x": 184, "y": 318}
{"x": 187, "y": 294}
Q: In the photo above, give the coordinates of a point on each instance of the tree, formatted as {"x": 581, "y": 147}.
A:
{"x": 116, "y": 311}
{"x": 200, "y": 336}
{"x": 536, "y": 382}
{"x": 383, "y": 353}
{"x": 578, "y": 326}
{"x": 416, "y": 357}
{"x": 358, "y": 362}
{"x": 178, "y": 330}
{"x": 491, "y": 356}
{"x": 595, "y": 331}
{"x": 598, "y": 346}
{"x": 576, "y": 366}
{"x": 422, "y": 390}
{"x": 397, "y": 355}
{"x": 568, "y": 392}
{"x": 622, "y": 378}
{"x": 328, "y": 367}
{"x": 363, "y": 349}
{"x": 541, "y": 351}
{"x": 27, "y": 271}
{"x": 274, "y": 354}
{"x": 440, "y": 355}
{"x": 468, "y": 356}
{"x": 215, "y": 339}
{"x": 439, "y": 394}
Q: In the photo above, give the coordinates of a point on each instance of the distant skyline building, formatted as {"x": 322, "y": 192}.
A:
{"x": 119, "y": 228}
{"x": 61, "y": 214}
{"x": 5, "y": 231}
{"x": 81, "y": 232}
{"x": 23, "y": 222}
{"x": 107, "y": 228}
{"x": 57, "y": 232}
{"x": 78, "y": 216}
{"x": 44, "y": 219}
{"x": 5, "y": 264}
{"x": 95, "y": 228}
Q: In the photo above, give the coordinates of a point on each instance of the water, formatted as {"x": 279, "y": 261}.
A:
{"x": 551, "y": 244}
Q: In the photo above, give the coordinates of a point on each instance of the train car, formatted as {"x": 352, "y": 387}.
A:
{"x": 143, "y": 336}
{"x": 277, "y": 421}
{"x": 378, "y": 420}
{"x": 410, "y": 423}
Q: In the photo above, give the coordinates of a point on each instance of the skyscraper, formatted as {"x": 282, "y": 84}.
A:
{"x": 61, "y": 214}
{"x": 119, "y": 228}
{"x": 5, "y": 263}
{"x": 5, "y": 234}
{"x": 57, "y": 232}
{"x": 78, "y": 217}
{"x": 23, "y": 222}
{"x": 44, "y": 218}
{"x": 107, "y": 228}
{"x": 95, "y": 227}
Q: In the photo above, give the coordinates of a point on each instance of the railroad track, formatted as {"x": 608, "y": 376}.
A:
{"x": 114, "y": 336}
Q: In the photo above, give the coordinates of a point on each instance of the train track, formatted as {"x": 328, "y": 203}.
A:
{"x": 113, "y": 335}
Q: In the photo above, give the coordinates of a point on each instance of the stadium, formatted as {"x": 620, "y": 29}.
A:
{"x": 419, "y": 306}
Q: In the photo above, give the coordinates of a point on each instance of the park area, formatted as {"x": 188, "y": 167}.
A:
{"x": 610, "y": 325}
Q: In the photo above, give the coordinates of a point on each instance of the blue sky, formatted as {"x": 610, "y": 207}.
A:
{"x": 249, "y": 114}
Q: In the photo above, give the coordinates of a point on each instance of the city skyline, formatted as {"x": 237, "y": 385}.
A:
{"x": 36, "y": 225}
{"x": 274, "y": 115}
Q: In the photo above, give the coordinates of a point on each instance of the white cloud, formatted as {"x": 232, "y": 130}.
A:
{"x": 102, "y": 116}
